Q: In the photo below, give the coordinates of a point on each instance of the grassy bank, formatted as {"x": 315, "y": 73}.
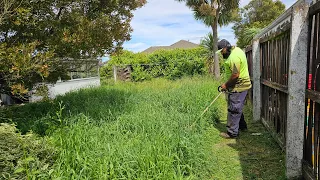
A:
{"x": 148, "y": 130}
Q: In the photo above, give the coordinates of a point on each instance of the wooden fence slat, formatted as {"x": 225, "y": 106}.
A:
{"x": 312, "y": 137}
{"x": 275, "y": 85}
{"x": 274, "y": 55}
{"x": 314, "y": 9}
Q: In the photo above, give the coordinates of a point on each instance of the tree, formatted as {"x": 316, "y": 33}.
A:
{"x": 249, "y": 33}
{"x": 206, "y": 43}
{"x": 6, "y": 7}
{"x": 43, "y": 33}
{"x": 72, "y": 28}
{"x": 20, "y": 68}
{"x": 212, "y": 13}
{"x": 254, "y": 17}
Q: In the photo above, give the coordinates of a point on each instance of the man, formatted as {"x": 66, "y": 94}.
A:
{"x": 238, "y": 84}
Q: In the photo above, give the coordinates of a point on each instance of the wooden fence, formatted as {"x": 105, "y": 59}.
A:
{"x": 280, "y": 55}
{"x": 312, "y": 138}
{"x": 274, "y": 58}
{"x": 122, "y": 72}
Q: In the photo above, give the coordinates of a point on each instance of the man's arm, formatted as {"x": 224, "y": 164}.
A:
{"x": 233, "y": 78}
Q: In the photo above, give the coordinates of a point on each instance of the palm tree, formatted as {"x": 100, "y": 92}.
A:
{"x": 212, "y": 13}
{"x": 206, "y": 43}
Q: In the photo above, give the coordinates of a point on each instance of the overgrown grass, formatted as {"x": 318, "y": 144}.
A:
{"x": 148, "y": 130}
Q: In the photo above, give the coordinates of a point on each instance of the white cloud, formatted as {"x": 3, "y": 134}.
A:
{"x": 164, "y": 22}
{"x": 136, "y": 47}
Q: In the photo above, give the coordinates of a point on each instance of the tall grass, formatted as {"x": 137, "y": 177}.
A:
{"x": 148, "y": 130}
{"x": 149, "y": 138}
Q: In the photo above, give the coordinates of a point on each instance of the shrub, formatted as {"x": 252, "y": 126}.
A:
{"x": 171, "y": 64}
{"x": 24, "y": 156}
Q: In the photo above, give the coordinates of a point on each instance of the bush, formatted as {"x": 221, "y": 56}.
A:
{"x": 24, "y": 156}
{"x": 171, "y": 64}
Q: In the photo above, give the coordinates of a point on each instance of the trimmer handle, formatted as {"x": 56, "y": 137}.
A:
{"x": 221, "y": 90}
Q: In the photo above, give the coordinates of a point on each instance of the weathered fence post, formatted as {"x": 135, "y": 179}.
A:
{"x": 296, "y": 90}
{"x": 115, "y": 73}
{"x": 256, "y": 80}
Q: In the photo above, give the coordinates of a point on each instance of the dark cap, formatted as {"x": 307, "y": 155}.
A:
{"x": 223, "y": 44}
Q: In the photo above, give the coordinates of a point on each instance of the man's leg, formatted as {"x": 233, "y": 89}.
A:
{"x": 242, "y": 123}
{"x": 235, "y": 106}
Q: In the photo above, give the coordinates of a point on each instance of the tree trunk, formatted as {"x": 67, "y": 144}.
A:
{"x": 214, "y": 27}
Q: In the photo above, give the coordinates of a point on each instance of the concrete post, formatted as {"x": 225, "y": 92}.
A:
{"x": 296, "y": 90}
{"x": 256, "y": 80}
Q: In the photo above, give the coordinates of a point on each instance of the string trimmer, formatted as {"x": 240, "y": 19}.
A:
{"x": 214, "y": 100}
{"x": 221, "y": 91}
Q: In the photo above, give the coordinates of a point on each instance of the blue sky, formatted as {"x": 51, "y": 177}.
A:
{"x": 164, "y": 22}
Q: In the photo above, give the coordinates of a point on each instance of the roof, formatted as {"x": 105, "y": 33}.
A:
{"x": 182, "y": 44}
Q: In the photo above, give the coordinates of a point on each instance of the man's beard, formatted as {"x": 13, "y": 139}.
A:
{"x": 226, "y": 55}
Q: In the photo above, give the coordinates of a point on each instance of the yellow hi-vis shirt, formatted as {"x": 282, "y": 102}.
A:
{"x": 237, "y": 62}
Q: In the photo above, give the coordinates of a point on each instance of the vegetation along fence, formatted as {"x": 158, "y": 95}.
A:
{"x": 170, "y": 70}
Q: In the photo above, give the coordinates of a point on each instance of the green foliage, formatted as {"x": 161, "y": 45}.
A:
{"x": 125, "y": 58}
{"x": 171, "y": 64}
{"x": 34, "y": 34}
{"x": 249, "y": 33}
{"x": 255, "y": 16}
{"x": 213, "y": 13}
{"x": 24, "y": 156}
{"x": 21, "y": 67}
{"x": 43, "y": 91}
{"x": 207, "y": 43}
{"x": 70, "y": 28}
{"x": 179, "y": 62}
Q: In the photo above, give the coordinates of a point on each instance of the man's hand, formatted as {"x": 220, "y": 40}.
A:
{"x": 224, "y": 87}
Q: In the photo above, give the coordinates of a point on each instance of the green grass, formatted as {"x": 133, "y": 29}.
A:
{"x": 251, "y": 156}
{"x": 148, "y": 130}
